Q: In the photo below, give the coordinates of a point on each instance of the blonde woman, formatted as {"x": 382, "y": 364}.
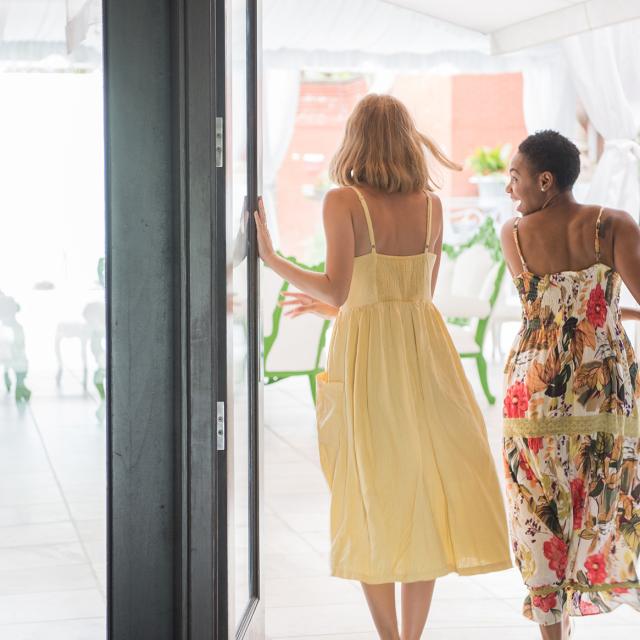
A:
{"x": 403, "y": 445}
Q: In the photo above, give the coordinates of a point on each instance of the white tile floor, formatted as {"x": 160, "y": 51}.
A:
{"x": 52, "y": 515}
{"x": 302, "y": 601}
{"x": 52, "y": 538}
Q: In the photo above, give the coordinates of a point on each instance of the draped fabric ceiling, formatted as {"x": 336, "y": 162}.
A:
{"x": 564, "y": 48}
{"x": 592, "y": 45}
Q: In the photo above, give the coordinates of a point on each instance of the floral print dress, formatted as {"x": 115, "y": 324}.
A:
{"x": 571, "y": 444}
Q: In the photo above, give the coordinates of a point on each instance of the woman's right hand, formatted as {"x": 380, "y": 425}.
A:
{"x": 300, "y": 303}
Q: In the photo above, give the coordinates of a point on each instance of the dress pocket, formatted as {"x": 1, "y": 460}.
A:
{"x": 330, "y": 423}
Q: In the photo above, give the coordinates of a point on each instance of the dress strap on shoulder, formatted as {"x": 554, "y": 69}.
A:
{"x": 597, "y": 240}
{"x": 428, "y": 236}
{"x": 365, "y": 208}
{"x": 516, "y": 222}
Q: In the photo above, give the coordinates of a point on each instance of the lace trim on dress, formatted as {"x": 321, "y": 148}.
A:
{"x": 572, "y": 425}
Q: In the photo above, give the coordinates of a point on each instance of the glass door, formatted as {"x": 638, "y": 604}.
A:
{"x": 243, "y": 427}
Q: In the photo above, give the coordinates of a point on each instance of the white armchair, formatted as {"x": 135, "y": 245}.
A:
{"x": 292, "y": 347}
{"x": 90, "y": 332}
{"x": 13, "y": 356}
{"x": 469, "y": 280}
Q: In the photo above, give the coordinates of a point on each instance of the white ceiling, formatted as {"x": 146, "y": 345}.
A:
{"x": 32, "y": 20}
{"x": 487, "y": 16}
{"x": 515, "y": 24}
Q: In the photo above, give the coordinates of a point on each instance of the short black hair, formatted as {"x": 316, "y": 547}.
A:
{"x": 550, "y": 151}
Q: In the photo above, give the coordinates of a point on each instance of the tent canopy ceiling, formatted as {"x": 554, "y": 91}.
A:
{"x": 414, "y": 34}
{"x": 32, "y": 30}
{"x": 511, "y": 25}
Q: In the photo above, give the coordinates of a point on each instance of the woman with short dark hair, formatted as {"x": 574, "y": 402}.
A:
{"x": 571, "y": 428}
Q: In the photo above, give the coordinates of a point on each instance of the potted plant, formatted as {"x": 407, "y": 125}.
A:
{"x": 489, "y": 165}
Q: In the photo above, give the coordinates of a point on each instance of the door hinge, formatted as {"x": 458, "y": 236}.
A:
{"x": 219, "y": 142}
{"x": 220, "y": 427}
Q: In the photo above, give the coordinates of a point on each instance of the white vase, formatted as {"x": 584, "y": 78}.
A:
{"x": 490, "y": 187}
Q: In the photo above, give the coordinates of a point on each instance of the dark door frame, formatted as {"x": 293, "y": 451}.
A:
{"x": 166, "y": 307}
{"x": 146, "y": 404}
{"x": 161, "y": 291}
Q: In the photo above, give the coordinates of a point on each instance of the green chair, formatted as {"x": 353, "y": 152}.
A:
{"x": 292, "y": 347}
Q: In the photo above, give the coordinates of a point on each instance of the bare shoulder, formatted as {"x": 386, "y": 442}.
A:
{"x": 337, "y": 208}
{"x": 339, "y": 196}
{"x": 506, "y": 232}
{"x": 617, "y": 225}
{"x": 436, "y": 210}
{"x": 338, "y": 201}
{"x": 618, "y": 219}
{"x": 509, "y": 249}
{"x": 436, "y": 202}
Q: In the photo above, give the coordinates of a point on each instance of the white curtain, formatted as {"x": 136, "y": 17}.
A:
{"x": 607, "y": 75}
{"x": 381, "y": 81}
{"x": 549, "y": 96}
{"x": 83, "y": 16}
{"x": 280, "y": 95}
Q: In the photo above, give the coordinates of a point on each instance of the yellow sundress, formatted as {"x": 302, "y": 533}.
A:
{"x": 402, "y": 441}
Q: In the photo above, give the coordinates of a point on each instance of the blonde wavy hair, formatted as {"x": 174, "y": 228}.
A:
{"x": 383, "y": 149}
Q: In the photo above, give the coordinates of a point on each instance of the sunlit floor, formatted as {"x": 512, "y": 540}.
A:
{"x": 303, "y": 601}
{"x": 52, "y": 539}
{"x": 52, "y": 514}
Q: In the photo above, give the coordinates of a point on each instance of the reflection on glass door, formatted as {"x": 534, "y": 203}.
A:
{"x": 239, "y": 339}
{"x": 244, "y": 615}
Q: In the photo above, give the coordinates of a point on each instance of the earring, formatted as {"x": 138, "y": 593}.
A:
{"x": 542, "y": 188}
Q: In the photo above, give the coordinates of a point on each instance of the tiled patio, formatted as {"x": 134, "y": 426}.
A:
{"x": 52, "y": 565}
{"x": 304, "y": 602}
{"x": 52, "y": 515}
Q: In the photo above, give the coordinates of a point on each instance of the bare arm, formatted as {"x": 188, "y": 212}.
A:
{"x": 627, "y": 313}
{"x": 332, "y": 286}
{"x": 436, "y": 244}
{"x": 626, "y": 251}
{"x": 509, "y": 249}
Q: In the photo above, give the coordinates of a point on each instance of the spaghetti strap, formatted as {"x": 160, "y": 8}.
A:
{"x": 516, "y": 222}
{"x": 426, "y": 242}
{"x": 365, "y": 208}
{"x": 597, "y": 241}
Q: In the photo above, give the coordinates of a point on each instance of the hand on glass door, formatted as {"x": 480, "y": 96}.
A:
{"x": 301, "y": 303}
{"x": 265, "y": 244}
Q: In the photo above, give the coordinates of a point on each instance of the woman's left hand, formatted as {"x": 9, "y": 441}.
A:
{"x": 299, "y": 303}
{"x": 265, "y": 244}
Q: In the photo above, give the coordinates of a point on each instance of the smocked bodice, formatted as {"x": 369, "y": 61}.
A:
{"x": 381, "y": 278}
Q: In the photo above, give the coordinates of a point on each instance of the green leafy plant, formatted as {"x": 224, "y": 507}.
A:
{"x": 486, "y": 161}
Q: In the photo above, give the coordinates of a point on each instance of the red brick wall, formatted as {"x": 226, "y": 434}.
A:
{"x": 322, "y": 113}
{"x": 459, "y": 112}
{"x": 428, "y": 99}
{"x": 487, "y": 110}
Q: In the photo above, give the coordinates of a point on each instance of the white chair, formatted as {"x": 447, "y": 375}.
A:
{"x": 13, "y": 356}
{"x": 90, "y": 332}
{"x": 292, "y": 346}
{"x": 466, "y": 292}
